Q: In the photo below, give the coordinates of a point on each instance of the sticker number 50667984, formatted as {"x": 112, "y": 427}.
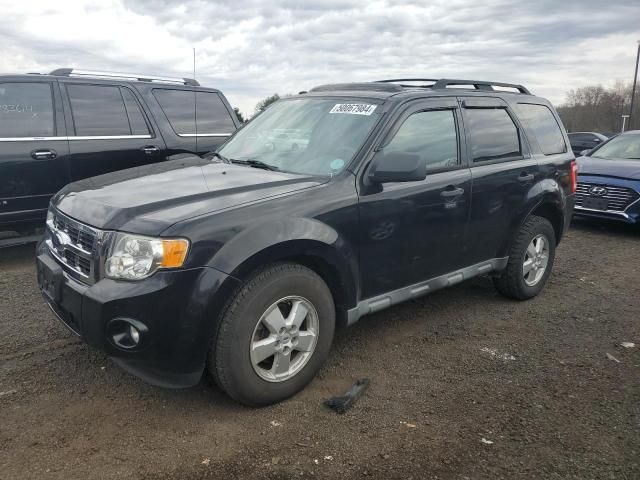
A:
{"x": 353, "y": 108}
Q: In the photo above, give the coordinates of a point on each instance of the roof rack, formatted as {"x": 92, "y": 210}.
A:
{"x": 74, "y": 72}
{"x": 380, "y": 87}
{"x": 446, "y": 82}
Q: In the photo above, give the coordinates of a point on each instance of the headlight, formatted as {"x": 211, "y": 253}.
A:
{"x": 133, "y": 257}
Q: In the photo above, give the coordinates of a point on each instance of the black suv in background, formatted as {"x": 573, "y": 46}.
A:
{"x": 74, "y": 124}
{"x": 243, "y": 263}
{"x": 581, "y": 141}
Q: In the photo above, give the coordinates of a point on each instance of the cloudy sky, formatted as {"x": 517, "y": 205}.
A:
{"x": 251, "y": 49}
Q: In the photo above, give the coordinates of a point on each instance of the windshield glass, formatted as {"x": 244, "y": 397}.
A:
{"x": 623, "y": 146}
{"x": 313, "y": 136}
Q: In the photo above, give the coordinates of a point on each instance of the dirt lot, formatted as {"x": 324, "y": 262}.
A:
{"x": 447, "y": 371}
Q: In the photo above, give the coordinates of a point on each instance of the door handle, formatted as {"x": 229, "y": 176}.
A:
{"x": 525, "y": 177}
{"x": 150, "y": 150}
{"x": 43, "y": 154}
{"x": 452, "y": 192}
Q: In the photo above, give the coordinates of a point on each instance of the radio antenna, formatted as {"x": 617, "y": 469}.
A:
{"x": 195, "y": 100}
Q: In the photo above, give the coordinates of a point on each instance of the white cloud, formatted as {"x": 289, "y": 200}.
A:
{"x": 251, "y": 49}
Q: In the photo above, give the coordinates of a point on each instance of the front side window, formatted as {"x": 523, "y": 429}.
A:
{"x": 26, "y": 110}
{"x": 314, "y": 136}
{"x": 431, "y": 135}
{"x": 492, "y": 134}
{"x": 180, "y": 107}
{"x": 98, "y": 110}
{"x": 544, "y": 126}
{"x": 626, "y": 147}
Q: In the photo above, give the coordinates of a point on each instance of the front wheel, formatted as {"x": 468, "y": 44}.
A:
{"x": 530, "y": 260}
{"x": 274, "y": 335}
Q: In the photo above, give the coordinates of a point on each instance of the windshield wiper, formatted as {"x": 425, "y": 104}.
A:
{"x": 256, "y": 164}
{"x": 221, "y": 157}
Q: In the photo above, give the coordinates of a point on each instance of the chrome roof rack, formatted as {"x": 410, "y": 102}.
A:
{"x": 447, "y": 82}
{"x": 74, "y": 72}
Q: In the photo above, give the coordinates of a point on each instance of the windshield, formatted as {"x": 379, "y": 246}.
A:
{"x": 313, "y": 136}
{"x": 623, "y": 146}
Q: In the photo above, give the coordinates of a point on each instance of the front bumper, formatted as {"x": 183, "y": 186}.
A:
{"x": 630, "y": 214}
{"x": 179, "y": 308}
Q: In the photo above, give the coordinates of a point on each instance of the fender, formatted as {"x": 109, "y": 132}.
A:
{"x": 545, "y": 192}
{"x": 287, "y": 238}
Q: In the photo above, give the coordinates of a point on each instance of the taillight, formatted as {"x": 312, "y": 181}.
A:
{"x": 574, "y": 176}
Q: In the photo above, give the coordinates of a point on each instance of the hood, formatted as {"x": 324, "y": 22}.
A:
{"x": 609, "y": 167}
{"x": 149, "y": 199}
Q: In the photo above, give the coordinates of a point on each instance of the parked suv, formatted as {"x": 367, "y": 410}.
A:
{"x": 243, "y": 263}
{"x": 581, "y": 141}
{"x": 75, "y": 124}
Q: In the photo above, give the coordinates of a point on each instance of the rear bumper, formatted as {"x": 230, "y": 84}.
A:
{"x": 175, "y": 306}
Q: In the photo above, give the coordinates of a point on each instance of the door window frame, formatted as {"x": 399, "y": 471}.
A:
{"x": 56, "y": 130}
{"x": 72, "y": 127}
{"x": 493, "y": 103}
{"x": 405, "y": 111}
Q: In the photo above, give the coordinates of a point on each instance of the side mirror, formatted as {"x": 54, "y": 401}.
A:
{"x": 398, "y": 167}
{"x": 586, "y": 152}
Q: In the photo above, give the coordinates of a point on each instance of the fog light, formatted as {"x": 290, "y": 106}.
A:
{"x": 127, "y": 333}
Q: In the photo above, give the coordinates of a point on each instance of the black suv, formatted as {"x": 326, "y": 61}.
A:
{"x": 581, "y": 141}
{"x": 75, "y": 124}
{"x": 243, "y": 263}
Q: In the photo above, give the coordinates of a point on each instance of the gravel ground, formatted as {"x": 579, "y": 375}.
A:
{"x": 464, "y": 385}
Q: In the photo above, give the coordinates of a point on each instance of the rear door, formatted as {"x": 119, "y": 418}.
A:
{"x": 33, "y": 148}
{"x": 503, "y": 172}
{"x": 109, "y": 130}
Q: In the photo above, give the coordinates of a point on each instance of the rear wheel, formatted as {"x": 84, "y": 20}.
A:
{"x": 274, "y": 336}
{"x": 530, "y": 260}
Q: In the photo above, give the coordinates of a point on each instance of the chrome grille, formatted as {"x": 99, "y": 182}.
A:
{"x": 73, "y": 244}
{"x": 618, "y": 198}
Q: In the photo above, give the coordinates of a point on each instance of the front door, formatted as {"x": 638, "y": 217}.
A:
{"x": 109, "y": 130}
{"x": 33, "y": 149}
{"x": 414, "y": 231}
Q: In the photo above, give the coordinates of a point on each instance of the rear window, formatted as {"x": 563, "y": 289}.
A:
{"x": 98, "y": 110}
{"x": 545, "y": 127}
{"x": 493, "y": 135}
{"x": 180, "y": 108}
{"x": 26, "y": 110}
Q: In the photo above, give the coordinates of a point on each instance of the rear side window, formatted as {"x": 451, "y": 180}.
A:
{"x": 492, "y": 134}
{"x": 430, "y": 134}
{"x": 213, "y": 116}
{"x": 136, "y": 119}
{"x": 26, "y": 110}
{"x": 98, "y": 110}
{"x": 545, "y": 127}
{"x": 180, "y": 108}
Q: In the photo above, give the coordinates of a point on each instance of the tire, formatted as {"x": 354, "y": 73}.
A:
{"x": 512, "y": 281}
{"x": 246, "y": 328}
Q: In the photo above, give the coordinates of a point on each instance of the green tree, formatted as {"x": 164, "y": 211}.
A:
{"x": 262, "y": 104}
{"x": 239, "y": 115}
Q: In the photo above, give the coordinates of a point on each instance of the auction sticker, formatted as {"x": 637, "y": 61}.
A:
{"x": 353, "y": 108}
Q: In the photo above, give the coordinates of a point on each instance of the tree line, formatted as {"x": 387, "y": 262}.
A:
{"x": 598, "y": 109}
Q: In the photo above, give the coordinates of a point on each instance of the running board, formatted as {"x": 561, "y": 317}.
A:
{"x": 380, "y": 302}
